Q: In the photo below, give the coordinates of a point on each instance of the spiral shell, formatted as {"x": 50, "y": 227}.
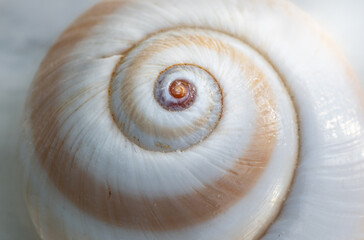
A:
{"x": 155, "y": 120}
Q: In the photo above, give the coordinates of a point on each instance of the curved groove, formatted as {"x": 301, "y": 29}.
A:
{"x": 163, "y": 131}
{"x": 115, "y": 208}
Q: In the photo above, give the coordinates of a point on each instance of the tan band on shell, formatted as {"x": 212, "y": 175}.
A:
{"x": 116, "y": 208}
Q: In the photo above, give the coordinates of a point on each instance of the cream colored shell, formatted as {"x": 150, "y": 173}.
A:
{"x": 104, "y": 160}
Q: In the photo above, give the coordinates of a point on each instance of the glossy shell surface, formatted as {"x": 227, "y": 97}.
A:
{"x": 228, "y": 120}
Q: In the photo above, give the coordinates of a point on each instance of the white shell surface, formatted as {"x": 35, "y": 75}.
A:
{"x": 329, "y": 118}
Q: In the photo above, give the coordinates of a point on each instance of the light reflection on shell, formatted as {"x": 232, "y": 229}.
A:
{"x": 104, "y": 159}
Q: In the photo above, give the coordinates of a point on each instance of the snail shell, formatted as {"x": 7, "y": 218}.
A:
{"x": 228, "y": 120}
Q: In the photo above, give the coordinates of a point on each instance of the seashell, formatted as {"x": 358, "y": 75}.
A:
{"x": 228, "y": 120}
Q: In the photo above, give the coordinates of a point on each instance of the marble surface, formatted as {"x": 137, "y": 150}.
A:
{"x": 29, "y": 27}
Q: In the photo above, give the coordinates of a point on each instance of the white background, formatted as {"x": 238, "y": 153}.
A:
{"x": 29, "y": 27}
